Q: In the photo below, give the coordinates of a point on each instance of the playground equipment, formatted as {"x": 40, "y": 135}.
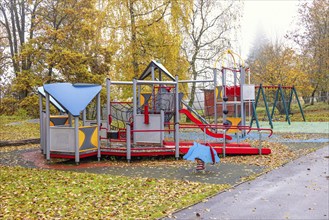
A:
{"x": 148, "y": 123}
{"x": 278, "y": 93}
{"x": 61, "y": 138}
{"x": 139, "y": 128}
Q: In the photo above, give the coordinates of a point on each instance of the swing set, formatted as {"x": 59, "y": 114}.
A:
{"x": 279, "y": 96}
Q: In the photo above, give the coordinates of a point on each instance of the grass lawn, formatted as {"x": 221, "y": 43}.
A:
{"x": 319, "y": 112}
{"x": 17, "y": 128}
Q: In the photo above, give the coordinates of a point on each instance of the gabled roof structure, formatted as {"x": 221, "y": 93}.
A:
{"x": 74, "y": 98}
{"x": 53, "y": 101}
{"x": 157, "y": 66}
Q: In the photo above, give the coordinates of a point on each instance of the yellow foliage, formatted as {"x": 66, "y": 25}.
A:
{"x": 276, "y": 64}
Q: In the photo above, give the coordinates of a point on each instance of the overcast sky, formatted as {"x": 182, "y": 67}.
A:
{"x": 271, "y": 18}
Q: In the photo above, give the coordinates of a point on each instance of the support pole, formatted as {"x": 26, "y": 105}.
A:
{"x": 260, "y": 143}
{"x": 153, "y": 90}
{"x": 84, "y": 117}
{"x": 76, "y": 138}
{"x": 224, "y": 93}
{"x": 284, "y": 104}
{"x": 139, "y": 99}
{"x": 99, "y": 126}
{"x": 243, "y": 112}
{"x": 176, "y": 119}
{"x": 215, "y": 97}
{"x": 256, "y": 102}
{"x": 128, "y": 141}
{"x": 255, "y": 114}
{"x": 224, "y": 144}
{"x": 275, "y": 101}
{"x": 134, "y": 108}
{"x": 41, "y": 124}
{"x": 47, "y": 128}
{"x": 108, "y": 106}
{"x": 299, "y": 105}
{"x": 162, "y": 121}
{"x": 266, "y": 107}
{"x": 235, "y": 98}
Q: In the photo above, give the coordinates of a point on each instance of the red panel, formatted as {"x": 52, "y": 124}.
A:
{"x": 72, "y": 156}
{"x": 232, "y": 91}
{"x": 234, "y": 150}
{"x": 146, "y": 115}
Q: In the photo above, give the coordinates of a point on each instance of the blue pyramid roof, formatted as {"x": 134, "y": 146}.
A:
{"x": 74, "y": 98}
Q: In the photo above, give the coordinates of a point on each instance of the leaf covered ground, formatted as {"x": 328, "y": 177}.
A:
{"x": 46, "y": 194}
{"x": 50, "y": 194}
{"x": 13, "y": 128}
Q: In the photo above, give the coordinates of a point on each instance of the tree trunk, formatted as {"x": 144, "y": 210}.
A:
{"x": 133, "y": 38}
{"x": 312, "y": 96}
{"x": 193, "y": 89}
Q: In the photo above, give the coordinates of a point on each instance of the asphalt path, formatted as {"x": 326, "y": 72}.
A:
{"x": 297, "y": 190}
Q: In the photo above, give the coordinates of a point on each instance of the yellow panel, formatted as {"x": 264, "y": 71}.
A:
{"x": 235, "y": 122}
{"x": 141, "y": 100}
{"x": 82, "y": 137}
{"x": 94, "y": 137}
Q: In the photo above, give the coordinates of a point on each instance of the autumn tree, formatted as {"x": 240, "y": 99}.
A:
{"x": 146, "y": 30}
{"x": 69, "y": 46}
{"x": 207, "y": 35}
{"x": 312, "y": 36}
{"x": 276, "y": 64}
{"x": 64, "y": 43}
{"x": 17, "y": 21}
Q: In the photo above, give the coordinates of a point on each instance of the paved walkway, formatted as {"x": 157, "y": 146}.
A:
{"x": 298, "y": 190}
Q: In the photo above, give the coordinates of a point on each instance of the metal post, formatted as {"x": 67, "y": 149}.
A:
{"x": 134, "y": 108}
{"x": 254, "y": 109}
{"x": 162, "y": 121}
{"x": 47, "y": 128}
{"x": 299, "y": 105}
{"x": 224, "y": 144}
{"x": 176, "y": 119}
{"x": 108, "y": 106}
{"x": 41, "y": 123}
{"x": 139, "y": 99}
{"x": 249, "y": 102}
{"x": 255, "y": 114}
{"x": 84, "y": 117}
{"x": 128, "y": 154}
{"x": 215, "y": 97}
{"x": 224, "y": 93}
{"x": 99, "y": 126}
{"x": 243, "y": 113}
{"x": 153, "y": 90}
{"x": 276, "y": 99}
{"x": 260, "y": 143}
{"x": 284, "y": 104}
{"x": 235, "y": 95}
{"x": 266, "y": 106}
{"x": 76, "y": 138}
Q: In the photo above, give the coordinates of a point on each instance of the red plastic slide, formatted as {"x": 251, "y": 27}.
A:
{"x": 199, "y": 123}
